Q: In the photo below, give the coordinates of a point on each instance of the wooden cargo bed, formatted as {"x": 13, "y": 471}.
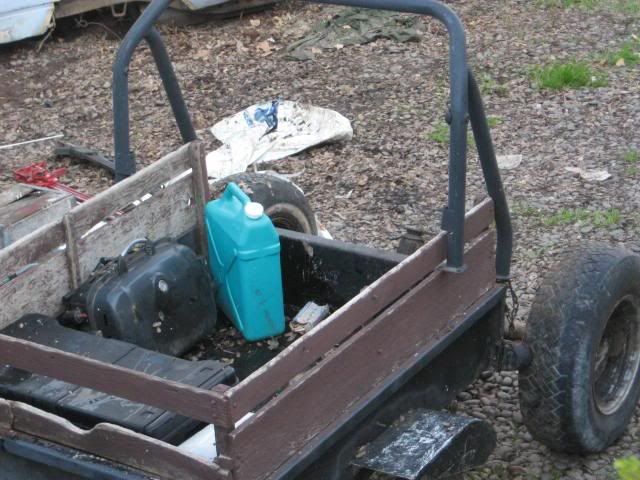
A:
{"x": 383, "y": 324}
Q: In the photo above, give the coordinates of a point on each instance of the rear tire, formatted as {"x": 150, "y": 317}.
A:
{"x": 583, "y": 384}
{"x": 283, "y": 201}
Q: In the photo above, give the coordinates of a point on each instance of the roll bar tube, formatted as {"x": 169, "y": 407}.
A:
{"x": 453, "y": 216}
{"x": 143, "y": 28}
{"x": 465, "y": 105}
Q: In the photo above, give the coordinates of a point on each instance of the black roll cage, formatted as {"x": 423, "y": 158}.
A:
{"x": 465, "y": 105}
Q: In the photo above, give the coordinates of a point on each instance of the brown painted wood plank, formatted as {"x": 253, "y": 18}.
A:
{"x": 296, "y": 358}
{"x": 170, "y": 212}
{"x": 204, "y": 405}
{"x": 121, "y": 194}
{"x": 350, "y": 371}
{"x": 453, "y": 324}
{"x": 38, "y": 290}
{"x": 30, "y": 248}
{"x": 117, "y": 444}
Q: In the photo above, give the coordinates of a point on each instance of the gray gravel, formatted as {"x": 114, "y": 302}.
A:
{"x": 394, "y": 94}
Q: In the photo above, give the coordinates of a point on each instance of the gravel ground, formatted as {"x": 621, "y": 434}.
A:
{"x": 392, "y": 174}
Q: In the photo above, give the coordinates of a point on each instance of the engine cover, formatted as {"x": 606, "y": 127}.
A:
{"x": 159, "y": 297}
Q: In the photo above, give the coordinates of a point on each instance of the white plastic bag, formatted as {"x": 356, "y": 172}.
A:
{"x": 271, "y": 131}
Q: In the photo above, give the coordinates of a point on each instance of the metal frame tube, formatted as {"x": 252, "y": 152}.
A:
{"x": 491, "y": 172}
{"x": 466, "y": 105}
{"x": 143, "y": 28}
{"x": 453, "y": 218}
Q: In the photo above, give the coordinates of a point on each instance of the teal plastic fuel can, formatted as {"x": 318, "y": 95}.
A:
{"x": 244, "y": 259}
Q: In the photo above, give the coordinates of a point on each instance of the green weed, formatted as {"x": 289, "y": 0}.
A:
{"x": 631, "y": 157}
{"x": 628, "y": 54}
{"x": 630, "y": 7}
{"x": 489, "y": 86}
{"x": 565, "y": 216}
{"x": 440, "y": 132}
{"x": 573, "y": 74}
{"x": 628, "y": 468}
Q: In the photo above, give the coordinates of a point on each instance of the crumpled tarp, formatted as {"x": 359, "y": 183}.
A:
{"x": 356, "y": 26}
{"x": 271, "y": 131}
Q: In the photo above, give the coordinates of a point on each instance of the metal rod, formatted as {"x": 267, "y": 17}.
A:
{"x": 143, "y": 28}
{"x": 171, "y": 86}
{"x": 27, "y": 142}
{"x": 453, "y": 218}
{"x": 491, "y": 172}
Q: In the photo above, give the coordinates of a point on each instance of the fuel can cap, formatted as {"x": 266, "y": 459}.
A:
{"x": 253, "y": 210}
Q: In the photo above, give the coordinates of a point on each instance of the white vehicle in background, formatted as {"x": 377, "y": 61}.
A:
{"x": 21, "y": 19}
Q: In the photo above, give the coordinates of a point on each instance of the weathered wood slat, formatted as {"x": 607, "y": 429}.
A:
{"x": 117, "y": 444}
{"x": 204, "y": 405}
{"x": 296, "y": 358}
{"x": 38, "y": 290}
{"x": 351, "y": 370}
{"x": 14, "y": 193}
{"x": 31, "y": 248}
{"x": 52, "y": 213}
{"x": 17, "y": 211}
{"x": 200, "y": 192}
{"x": 118, "y": 196}
{"x": 170, "y": 212}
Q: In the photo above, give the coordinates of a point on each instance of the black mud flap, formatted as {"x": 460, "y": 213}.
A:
{"x": 428, "y": 443}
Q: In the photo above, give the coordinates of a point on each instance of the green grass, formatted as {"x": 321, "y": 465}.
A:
{"x": 630, "y": 7}
{"x": 440, "y": 132}
{"x": 628, "y": 53}
{"x": 589, "y": 4}
{"x": 632, "y": 159}
{"x": 489, "y": 86}
{"x": 573, "y": 74}
{"x": 568, "y": 216}
{"x": 524, "y": 210}
{"x": 494, "y": 121}
{"x": 605, "y": 218}
{"x": 628, "y": 468}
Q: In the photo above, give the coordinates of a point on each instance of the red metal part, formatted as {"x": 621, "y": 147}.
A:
{"x": 38, "y": 174}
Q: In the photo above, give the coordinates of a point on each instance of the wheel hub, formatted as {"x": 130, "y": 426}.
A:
{"x": 618, "y": 357}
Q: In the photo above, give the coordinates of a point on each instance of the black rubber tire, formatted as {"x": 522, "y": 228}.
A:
{"x": 282, "y": 200}
{"x": 584, "y": 331}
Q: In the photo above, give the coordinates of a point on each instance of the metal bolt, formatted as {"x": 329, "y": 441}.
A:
{"x": 163, "y": 286}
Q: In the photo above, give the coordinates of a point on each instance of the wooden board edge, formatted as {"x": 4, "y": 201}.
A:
{"x": 169, "y": 212}
{"x": 31, "y": 248}
{"x": 265, "y": 381}
{"x": 39, "y": 289}
{"x": 205, "y": 405}
{"x": 426, "y": 352}
{"x": 89, "y": 213}
{"x": 477, "y": 279}
{"x": 200, "y": 192}
{"x": 115, "y": 443}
